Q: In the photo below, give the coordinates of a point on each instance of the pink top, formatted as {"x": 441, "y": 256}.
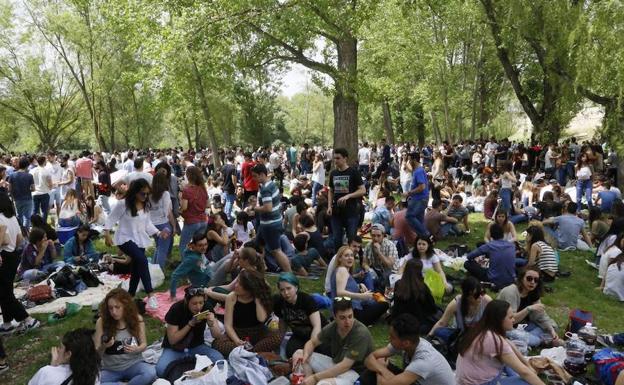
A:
{"x": 84, "y": 168}
{"x": 475, "y": 368}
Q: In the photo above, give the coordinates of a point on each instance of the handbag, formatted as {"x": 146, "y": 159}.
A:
{"x": 39, "y": 293}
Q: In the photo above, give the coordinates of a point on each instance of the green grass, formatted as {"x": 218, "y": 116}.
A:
{"x": 27, "y": 353}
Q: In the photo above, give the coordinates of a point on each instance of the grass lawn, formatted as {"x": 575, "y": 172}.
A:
{"x": 27, "y": 353}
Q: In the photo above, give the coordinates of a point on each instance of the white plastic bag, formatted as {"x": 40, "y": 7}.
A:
{"x": 217, "y": 375}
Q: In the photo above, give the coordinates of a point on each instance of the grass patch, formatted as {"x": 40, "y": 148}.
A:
{"x": 27, "y": 353}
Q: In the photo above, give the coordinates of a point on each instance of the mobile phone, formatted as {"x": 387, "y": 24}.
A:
{"x": 202, "y": 316}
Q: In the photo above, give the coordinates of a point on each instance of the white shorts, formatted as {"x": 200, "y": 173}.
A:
{"x": 320, "y": 362}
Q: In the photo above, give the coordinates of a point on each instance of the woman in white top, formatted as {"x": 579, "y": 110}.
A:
{"x": 583, "y": 180}
{"x": 70, "y": 210}
{"x": 318, "y": 176}
{"x": 74, "y": 362}
{"x": 437, "y": 169}
{"x": 610, "y": 253}
{"x": 510, "y": 230}
{"x": 423, "y": 250}
{"x": 10, "y": 238}
{"x": 405, "y": 173}
{"x": 507, "y": 182}
{"x": 161, "y": 215}
{"x": 613, "y": 283}
{"x": 133, "y": 234}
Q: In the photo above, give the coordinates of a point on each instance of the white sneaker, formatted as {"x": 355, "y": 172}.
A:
{"x": 152, "y": 302}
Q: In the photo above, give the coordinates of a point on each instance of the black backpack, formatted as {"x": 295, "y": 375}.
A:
{"x": 88, "y": 277}
{"x": 177, "y": 368}
{"x": 64, "y": 279}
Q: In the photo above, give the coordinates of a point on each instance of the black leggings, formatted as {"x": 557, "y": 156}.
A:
{"x": 370, "y": 312}
{"x": 370, "y": 378}
{"x": 2, "y": 352}
{"x": 11, "y": 308}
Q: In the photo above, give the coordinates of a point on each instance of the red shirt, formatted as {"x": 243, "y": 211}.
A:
{"x": 84, "y": 168}
{"x": 249, "y": 183}
{"x": 197, "y": 198}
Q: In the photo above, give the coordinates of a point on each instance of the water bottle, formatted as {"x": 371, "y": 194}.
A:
{"x": 575, "y": 355}
{"x": 588, "y": 334}
{"x": 297, "y": 377}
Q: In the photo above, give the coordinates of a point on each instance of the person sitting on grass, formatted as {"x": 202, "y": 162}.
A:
{"x": 569, "y": 228}
{"x": 38, "y": 257}
{"x": 305, "y": 256}
{"x": 422, "y": 363}
{"x": 458, "y": 211}
{"x": 193, "y": 266}
{"x": 79, "y": 249}
{"x": 75, "y": 359}
{"x": 380, "y": 259}
{"x": 349, "y": 341}
{"x": 184, "y": 336}
{"x": 501, "y": 270}
{"x": 509, "y": 230}
{"x": 524, "y": 299}
{"x": 438, "y": 224}
{"x": 383, "y": 214}
{"x": 541, "y": 255}
{"x": 120, "y": 339}
{"x": 485, "y": 355}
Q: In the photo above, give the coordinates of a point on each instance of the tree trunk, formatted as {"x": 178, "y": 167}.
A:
{"x": 475, "y": 93}
{"x": 345, "y": 99}
{"x": 400, "y": 125}
{"x": 387, "y": 121}
{"x": 436, "y": 130}
{"x": 203, "y": 102}
{"x": 419, "y": 113}
{"x": 197, "y": 131}
{"x": 187, "y": 132}
{"x": 111, "y": 122}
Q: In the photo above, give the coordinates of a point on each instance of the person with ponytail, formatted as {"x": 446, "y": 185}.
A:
{"x": 485, "y": 355}
{"x": 120, "y": 339}
{"x": 467, "y": 308}
{"x": 74, "y": 362}
{"x": 247, "y": 309}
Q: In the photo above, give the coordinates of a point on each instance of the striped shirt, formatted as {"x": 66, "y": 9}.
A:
{"x": 547, "y": 260}
{"x": 270, "y": 194}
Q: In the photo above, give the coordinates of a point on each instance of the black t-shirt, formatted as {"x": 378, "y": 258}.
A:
{"x": 297, "y": 315}
{"x": 343, "y": 183}
{"x": 228, "y": 170}
{"x": 549, "y": 209}
{"x": 104, "y": 187}
{"x": 179, "y": 315}
{"x": 501, "y": 152}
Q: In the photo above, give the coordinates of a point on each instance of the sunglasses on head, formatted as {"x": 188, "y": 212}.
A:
{"x": 340, "y": 299}
{"x": 532, "y": 279}
{"x": 192, "y": 292}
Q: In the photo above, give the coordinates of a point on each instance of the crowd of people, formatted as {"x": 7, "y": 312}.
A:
{"x": 368, "y": 222}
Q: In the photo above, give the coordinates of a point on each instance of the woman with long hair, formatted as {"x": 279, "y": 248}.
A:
{"x": 79, "y": 249}
{"x": 583, "y": 180}
{"x": 541, "y": 254}
{"x": 502, "y": 218}
{"x": 365, "y": 308}
{"x": 161, "y": 215}
{"x": 186, "y": 322}
{"x": 484, "y": 352}
{"x": 524, "y": 299}
{"x": 297, "y": 311}
{"x": 411, "y": 295}
{"x": 318, "y": 176}
{"x": 507, "y": 182}
{"x": 598, "y": 225}
{"x": 70, "y": 212}
{"x": 120, "y": 339}
{"x": 104, "y": 187}
{"x": 613, "y": 282}
{"x": 93, "y": 211}
{"x": 193, "y": 202}
{"x": 10, "y": 239}
{"x": 245, "y": 258}
{"x": 423, "y": 250}
{"x": 405, "y": 172}
{"x": 247, "y": 309}
{"x": 133, "y": 234}
{"x": 467, "y": 308}
{"x": 74, "y": 362}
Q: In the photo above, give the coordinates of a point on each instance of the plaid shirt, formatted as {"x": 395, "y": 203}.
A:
{"x": 387, "y": 249}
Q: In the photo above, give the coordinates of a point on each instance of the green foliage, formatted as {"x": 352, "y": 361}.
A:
{"x": 307, "y": 116}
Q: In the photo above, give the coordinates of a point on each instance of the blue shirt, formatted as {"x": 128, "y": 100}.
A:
{"x": 20, "y": 185}
{"x": 568, "y": 229}
{"x": 502, "y": 255}
{"x": 420, "y": 177}
{"x": 382, "y": 215}
{"x": 193, "y": 266}
{"x": 607, "y": 198}
{"x": 270, "y": 194}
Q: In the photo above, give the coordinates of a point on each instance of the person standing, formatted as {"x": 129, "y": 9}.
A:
{"x": 56, "y": 173}
{"x": 21, "y": 185}
{"x": 346, "y": 188}
{"x": 133, "y": 234}
{"x": 43, "y": 185}
{"x": 292, "y": 159}
{"x": 84, "y": 176}
{"x": 364, "y": 159}
{"x": 270, "y": 213}
{"x": 418, "y": 199}
{"x": 104, "y": 186}
{"x": 230, "y": 180}
{"x": 318, "y": 176}
{"x": 250, "y": 186}
{"x": 193, "y": 202}
{"x": 162, "y": 217}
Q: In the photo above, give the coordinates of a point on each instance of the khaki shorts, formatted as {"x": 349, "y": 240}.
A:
{"x": 320, "y": 362}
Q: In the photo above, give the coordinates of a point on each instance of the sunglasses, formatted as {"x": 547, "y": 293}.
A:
{"x": 194, "y": 291}
{"x": 340, "y": 299}
{"x": 532, "y": 279}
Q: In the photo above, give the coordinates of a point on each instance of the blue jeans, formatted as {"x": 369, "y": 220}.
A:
{"x": 229, "y": 204}
{"x": 444, "y": 333}
{"x": 532, "y": 332}
{"x": 340, "y": 223}
{"x": 69, "y": 222}
{"x": 163, "y": 246}
{"x": 509, "y": 379}
{"x": 450, "y": 228}
{"x": 518, "y": 218}
{"x": 32, "y": 274}
{"x": 415, "y": 216}
{"x": 169, "y": 355}
{"x": 24, "y": 210}
{"x": 506, "y": 199}
{"x": 42, "y": 205}
{"x": 140, "y": 268}
{"x": 103, "y": 201}
{"x": 316, "y": 187}
{"x": 187, "y": 234}
{"x": 583, "y": 186}
{"x": 562, "y": 176}
{"x": 140, "y": 373}
{"x": 55, "y": 198}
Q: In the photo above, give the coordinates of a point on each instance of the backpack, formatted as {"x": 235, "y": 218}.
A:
{"x": 88, "y": 277}
{"x": 64, "y": 278}
{"x": 177, "y": 368}
{"x": 577, "y": 319}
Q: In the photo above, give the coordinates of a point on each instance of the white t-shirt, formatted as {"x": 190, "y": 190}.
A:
{"x": 318, "y": 176}
{"x": 242, "y": 234}
{"x": 12, "y": 230}
{"x": 134, "y": 175}
{"x": 614, "y": 282}
{"x": 364, "y": 156}
{"x": 41, "y": 177}
{"x": 548, "y": 159}
{"x": 611, "y": 253}
{"x": 159, "y": 211}
{"x": 52, "y": 375}
{"x": 55, "y": 170}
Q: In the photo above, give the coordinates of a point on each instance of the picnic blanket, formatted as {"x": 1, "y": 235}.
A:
{"x": 89, "y": 297}
{"x": 315, "y": 272}
{"x": 164, "y": 303}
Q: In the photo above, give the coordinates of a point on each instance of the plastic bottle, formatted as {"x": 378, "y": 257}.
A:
{"x": 248, "y": 345}
{"x": 575, "y": 355}
{"x": 297, "y": 377}
{"x": 588, "y": 334}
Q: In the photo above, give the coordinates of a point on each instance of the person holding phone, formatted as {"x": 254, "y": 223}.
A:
{"x": 120, "y": 339}
{"x": 185, "y": 330}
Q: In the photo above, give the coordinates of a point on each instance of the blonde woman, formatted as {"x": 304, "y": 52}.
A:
{"x": 69, "y": 215}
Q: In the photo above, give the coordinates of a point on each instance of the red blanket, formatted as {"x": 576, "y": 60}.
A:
{"x": 164, "y": 303}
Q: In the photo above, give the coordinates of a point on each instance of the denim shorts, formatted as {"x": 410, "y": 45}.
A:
{"x": 271, "y": 234}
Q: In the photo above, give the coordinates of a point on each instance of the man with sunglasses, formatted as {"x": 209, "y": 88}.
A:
{"x": 349, "y": 341}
